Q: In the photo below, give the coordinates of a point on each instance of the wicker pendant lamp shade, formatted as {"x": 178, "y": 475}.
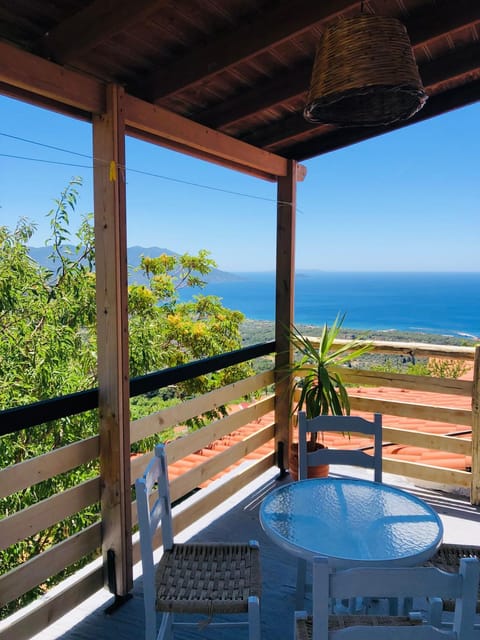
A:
{"x": 364, "y": 74}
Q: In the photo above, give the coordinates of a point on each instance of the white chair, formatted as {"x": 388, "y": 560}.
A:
{"x": 447, "y": 557}
{"x": 345, "y": 424}
{"x": 351, "y": 457}
{"x": 388, "y": 583}
{"x": 206, "y": 579}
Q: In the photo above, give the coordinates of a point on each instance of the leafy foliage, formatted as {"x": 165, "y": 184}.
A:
{"x": 322, "y": 390}
{"x": 436, "y": 367}
{"x": 48, "y": 349}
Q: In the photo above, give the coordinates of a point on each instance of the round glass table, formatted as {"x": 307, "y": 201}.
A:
{"x": 352, "y": 522}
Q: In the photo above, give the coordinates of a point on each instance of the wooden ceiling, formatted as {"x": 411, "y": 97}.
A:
{"x": 241, "y": 67}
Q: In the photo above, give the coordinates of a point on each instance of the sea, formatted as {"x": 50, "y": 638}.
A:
{"x": 437, "y": 303}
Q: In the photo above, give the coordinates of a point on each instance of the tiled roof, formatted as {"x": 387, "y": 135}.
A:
{"x": 418, "y": 454}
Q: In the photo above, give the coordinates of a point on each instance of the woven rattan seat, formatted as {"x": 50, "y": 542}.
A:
{"x": 448, "y": 558}
{"x": 304, "y": 625}
{"x": 208, "y": 578}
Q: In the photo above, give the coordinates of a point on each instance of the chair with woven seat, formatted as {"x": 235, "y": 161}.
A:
{"x": 392, "y": 582}
{"x": 350, "y": 457}
{"x": 447, "y": 558}
{"x": 207, "y": 579}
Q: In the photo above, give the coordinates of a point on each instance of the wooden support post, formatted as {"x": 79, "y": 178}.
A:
{"x": 284, "y": 307}
{"x": 475, "y": 486}
{"x": 112, "y": 338}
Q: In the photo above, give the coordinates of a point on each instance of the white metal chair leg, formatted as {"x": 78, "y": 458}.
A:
{"x": 254, "y": 618}
{"x": 165, "y": 631}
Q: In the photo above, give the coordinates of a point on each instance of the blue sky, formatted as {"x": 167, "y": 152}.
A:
{"x": 405, "y": 201}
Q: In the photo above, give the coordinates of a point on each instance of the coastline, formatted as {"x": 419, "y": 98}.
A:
{"x": 255, "y": 331}
{"x": 423, "y": 304}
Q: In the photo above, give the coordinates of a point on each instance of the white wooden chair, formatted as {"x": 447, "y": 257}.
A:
{"x": 399, "y": 582}
{"x": 206, "y": 579}
{"x": 447, "y": 557}
{"x": 351, "y": 457}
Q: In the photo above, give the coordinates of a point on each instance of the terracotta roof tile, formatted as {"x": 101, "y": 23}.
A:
{"x": 404, "y": 452}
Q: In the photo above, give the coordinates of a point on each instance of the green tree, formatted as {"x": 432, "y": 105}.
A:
{"x": 166, "y": 332}
{"x": 48, "y": 347}
{"x": 46, "y": 350}
{"x": 47, "y": 316}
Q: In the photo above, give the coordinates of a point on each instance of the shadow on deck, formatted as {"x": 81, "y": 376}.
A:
{"x": 238, "y": 520}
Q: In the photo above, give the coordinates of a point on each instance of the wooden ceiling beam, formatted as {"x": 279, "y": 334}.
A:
{"x": 97, "y": 22}
{"x": 266, "y": 95}
{"x": 294, "y": 83}
{"x": 435, "y": 106}
{"x": 246, "y": 42}
{"x": 25, "y": 75}
{"x": 152, "y": 123}
{"x": 48, "y": 83}
{"x": 427, "y": 24}
{"x": 456, "y": 63}
{"x": 290, "y": 128}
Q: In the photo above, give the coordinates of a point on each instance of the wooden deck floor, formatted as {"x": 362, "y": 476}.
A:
{"x": 240, "y": 522}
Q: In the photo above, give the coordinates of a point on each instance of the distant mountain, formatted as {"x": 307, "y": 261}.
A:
{"x": 134, "y": 255}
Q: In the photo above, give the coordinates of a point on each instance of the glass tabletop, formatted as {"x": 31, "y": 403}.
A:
{"x": 352, "y": 522}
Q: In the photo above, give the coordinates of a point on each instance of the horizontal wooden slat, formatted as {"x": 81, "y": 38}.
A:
{"x": 427, "y": 440}
{"x": 224, "y": 491}
{"x": 191, "y": 479}
{"x": 47, "y": 512}
{"x": 30, "y": 472}
{"x": 53, "y": 607}
{"x": 195, "y": 441}
{"x": 48, "y": 80}
{"x": 36, "y": 570}
{"x": 412, "y": 410}
{"x": 406, "y": 381}
{"x": 162, "y": 420}
{"x": 171, "y": 129}
{"x": 419, "y": 349}
{"x": 212, "y": 499}
{"x": 430, "y": 473}
{"x": 188, "y": 481}
{"x": 244, "y": 416}
{"x": 401, "y": 381}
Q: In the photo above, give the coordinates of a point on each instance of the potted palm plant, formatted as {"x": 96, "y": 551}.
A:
{"x": 318, "y": 381}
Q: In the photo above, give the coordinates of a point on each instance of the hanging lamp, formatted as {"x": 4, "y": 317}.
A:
{"x": 364, "y": 74}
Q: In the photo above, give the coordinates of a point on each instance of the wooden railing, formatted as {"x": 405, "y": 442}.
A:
{"x": 467, "y": 418}
{"x": 186, "y": 445}
{"x": 29, "y": 521}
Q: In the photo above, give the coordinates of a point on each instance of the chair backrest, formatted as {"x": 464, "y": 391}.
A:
{"x": 397, "y": 582}
{"x": 345, "y": 424}
{"x": 149, "y": 519}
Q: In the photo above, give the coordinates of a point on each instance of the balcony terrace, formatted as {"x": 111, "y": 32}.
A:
{"x": 216, "y": 478}
{"x": 237, "y": 519}
{"x": 225, "y": 82}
